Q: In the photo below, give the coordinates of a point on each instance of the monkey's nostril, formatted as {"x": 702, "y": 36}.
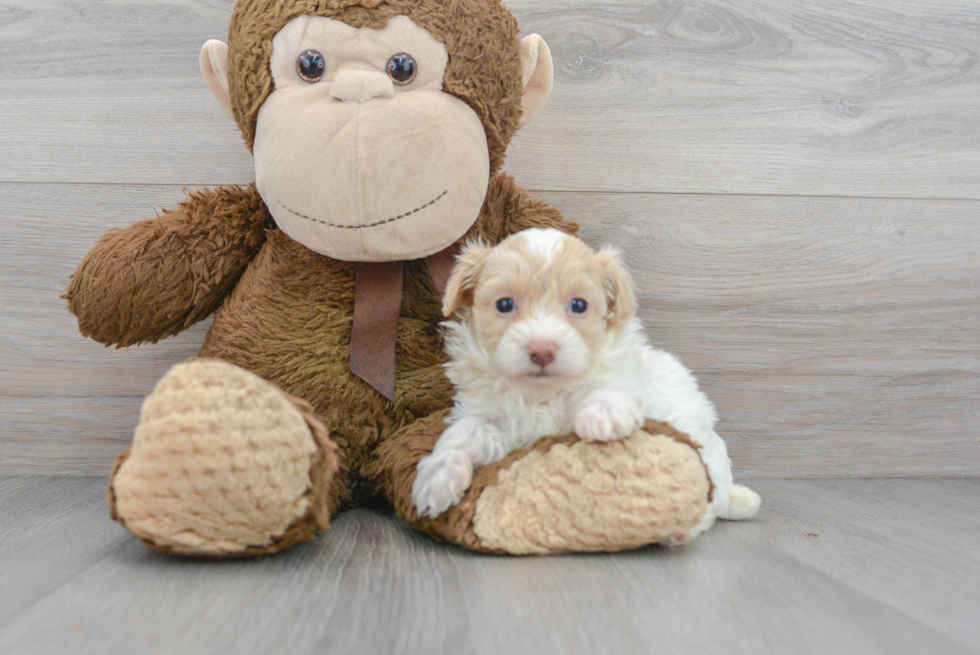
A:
{"x": 542, "y": 355}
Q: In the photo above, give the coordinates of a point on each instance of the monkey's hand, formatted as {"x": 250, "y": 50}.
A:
{"x": 159, "y": 277}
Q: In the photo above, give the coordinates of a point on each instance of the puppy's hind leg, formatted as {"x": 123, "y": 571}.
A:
{"x": 744, "y": 503}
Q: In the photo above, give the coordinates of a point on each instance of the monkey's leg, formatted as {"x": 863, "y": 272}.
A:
{"x": 560, "y": 495}
{"x": 224, "y": 464}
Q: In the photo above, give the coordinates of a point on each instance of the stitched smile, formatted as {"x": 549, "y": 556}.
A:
{"x": 360, "y": 227}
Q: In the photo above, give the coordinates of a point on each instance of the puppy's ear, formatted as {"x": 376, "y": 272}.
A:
{"x": 469, "y": 265}
{"x": 618, "y": 285}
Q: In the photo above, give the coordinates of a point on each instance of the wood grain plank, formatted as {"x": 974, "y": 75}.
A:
{"x": 372, "y": 585}
{"x": 44, "y": 435}
{"x": 833, "y": 334}
{"x": 836, "y": 336}
{"x": 811, "y": 97}
{"x": 50, "y": 531}
{"x": 860, "y": 541}
{"x": 816, "y": 97}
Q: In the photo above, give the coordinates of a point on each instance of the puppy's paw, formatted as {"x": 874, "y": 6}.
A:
{"x": 607, "y": 415}
{"x": 442, "y": 479}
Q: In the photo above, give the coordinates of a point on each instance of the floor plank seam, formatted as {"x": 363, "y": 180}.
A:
{"x": 725, "y": 194}
{"x": 535, "y": 190}
{"x": 845, "y": 583}
{"x": 122, "y": 540}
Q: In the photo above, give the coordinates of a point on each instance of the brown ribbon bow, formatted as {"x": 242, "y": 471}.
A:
{"x": 377, "y": 303}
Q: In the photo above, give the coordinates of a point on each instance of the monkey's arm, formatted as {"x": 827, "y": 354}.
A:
{"x": 160, "y": 276}
{"x": 509, "y": 209}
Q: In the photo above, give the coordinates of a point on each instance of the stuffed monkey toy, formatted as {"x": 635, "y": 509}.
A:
{"x": 378, "y": 129}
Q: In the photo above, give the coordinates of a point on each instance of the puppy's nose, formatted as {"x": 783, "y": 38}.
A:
{"x": 542, "y": 353}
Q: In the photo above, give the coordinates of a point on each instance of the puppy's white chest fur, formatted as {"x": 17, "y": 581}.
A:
{"x": 520, "y": 419}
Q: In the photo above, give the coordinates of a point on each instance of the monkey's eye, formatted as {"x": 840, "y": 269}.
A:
{"x": 311, "y": 66}
{"x": 402, "y": 68}
{"x": 578, "y": 306}
{"x": 505, "y": 305}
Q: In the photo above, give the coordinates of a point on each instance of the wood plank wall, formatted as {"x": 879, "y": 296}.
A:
{"x": 796, "y": 186}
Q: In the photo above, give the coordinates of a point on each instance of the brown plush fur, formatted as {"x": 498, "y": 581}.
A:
{"x": 307, "y": 527}
{"x": 395, "y": 465}
{"x": 289, "y": 321}
{"x": 657, "y": 427}
{"x": 159, "y": 277}
{"x": 285, "y": 312}
{"x": 484, "y": 68}
{"x": 394, "y": 470}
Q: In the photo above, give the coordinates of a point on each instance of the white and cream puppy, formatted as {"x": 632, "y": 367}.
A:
{"x": 548, "y": 343}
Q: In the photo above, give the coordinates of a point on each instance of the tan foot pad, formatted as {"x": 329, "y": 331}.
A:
{"x": 582, "y": 496}
{"x": 221, "y": 465}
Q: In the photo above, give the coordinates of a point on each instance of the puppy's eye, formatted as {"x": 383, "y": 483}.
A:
{"x": 402, "y": 68}
{"x": 505, "y": 305}
{"x": 578, "y": 306}
{"x": 311, "y": 66}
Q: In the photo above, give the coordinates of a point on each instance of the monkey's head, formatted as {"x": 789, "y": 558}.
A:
{"x": 376, "y": 125}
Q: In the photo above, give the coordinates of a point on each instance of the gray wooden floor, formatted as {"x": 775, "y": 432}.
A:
{"x": 796, "y": 187}
{"x": 830, "y": 566}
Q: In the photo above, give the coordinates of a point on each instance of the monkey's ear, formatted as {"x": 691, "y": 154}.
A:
{"x": 469, "y": 265}
{"x": 620, "y": 297}
{"x": 214, "y": 67}
{"x": 537, "y": 77}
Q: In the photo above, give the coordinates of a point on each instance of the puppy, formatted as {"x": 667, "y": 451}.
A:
{"x": 548, "y": 343}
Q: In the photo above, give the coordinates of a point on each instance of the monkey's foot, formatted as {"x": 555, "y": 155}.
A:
{"x": 581, "y": 496}
{"x": 563, "y": 494}
{"x": 223, "y": 464}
